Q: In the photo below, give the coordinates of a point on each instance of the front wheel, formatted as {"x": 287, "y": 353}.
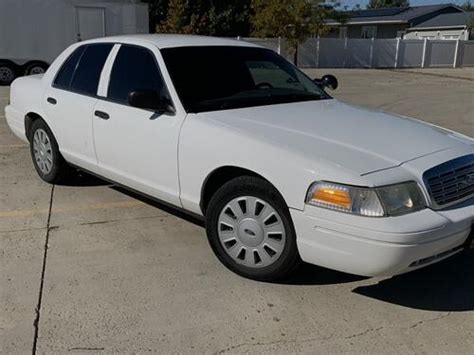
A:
{"x": 250, "y": 230}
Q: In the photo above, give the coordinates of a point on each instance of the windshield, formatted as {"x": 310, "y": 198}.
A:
{"x": 226, "y": 77}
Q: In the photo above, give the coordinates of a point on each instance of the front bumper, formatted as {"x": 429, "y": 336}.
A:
{"x": 381, "y": 246}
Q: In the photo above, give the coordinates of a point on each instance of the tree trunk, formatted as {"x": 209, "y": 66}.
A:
{"x": 295, "y": 56}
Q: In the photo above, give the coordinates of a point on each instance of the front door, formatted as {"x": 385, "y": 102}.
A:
{"x": 137, "y": 147}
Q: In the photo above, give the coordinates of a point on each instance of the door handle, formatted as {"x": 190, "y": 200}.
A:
{"x": 52, "y": 100}
{"x": 101, "y": 114}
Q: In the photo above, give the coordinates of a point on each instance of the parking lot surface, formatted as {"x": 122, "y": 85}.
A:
{"x": 89, "y": 268}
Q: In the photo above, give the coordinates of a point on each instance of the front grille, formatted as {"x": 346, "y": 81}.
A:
{"x": 451, "y": 182}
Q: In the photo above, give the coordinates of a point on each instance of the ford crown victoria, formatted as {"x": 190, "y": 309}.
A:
{"x": 232, "y": 132}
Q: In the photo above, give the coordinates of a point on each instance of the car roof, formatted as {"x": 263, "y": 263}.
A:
{"x": 172, "y": 40}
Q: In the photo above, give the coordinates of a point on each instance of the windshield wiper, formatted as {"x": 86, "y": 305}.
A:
{"x": 234, "y": 102}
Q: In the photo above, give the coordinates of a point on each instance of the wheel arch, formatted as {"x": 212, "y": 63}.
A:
{"x": 30, "y": 117}
{"x": 9, "y": 62}
{"x": 219, "y": 176}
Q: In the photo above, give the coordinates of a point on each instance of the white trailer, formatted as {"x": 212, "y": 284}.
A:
{"x": 34, "y": 32}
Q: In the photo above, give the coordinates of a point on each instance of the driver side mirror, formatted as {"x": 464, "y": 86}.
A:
{"x": 150, "y": 100}
{"x": 328, "y": 81}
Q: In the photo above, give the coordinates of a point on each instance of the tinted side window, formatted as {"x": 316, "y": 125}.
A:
{"x": 135, "y": 68}
{"x": 64, "y": 76}
{"x": 87, "y": 75}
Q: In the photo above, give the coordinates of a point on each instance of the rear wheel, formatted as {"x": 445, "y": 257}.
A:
{"x": 7, "y": 73}
{"x": 48, "y": 161}
{"x": 250, "y": 230}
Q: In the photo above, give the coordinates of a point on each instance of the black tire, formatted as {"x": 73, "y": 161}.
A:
{"x": 289, "y": 258}
{"x": 8, "y": 72}
{"x": 35, "y": 68}
{"x": 60, "y": 170}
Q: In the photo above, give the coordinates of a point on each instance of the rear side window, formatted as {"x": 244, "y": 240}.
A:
{"x": 87, "y": 75}
{"x": 64, "y": 77}
{"x": 134, "y": 68}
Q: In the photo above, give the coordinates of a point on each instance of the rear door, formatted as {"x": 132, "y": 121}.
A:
{"x": 70, "y": 101}
{"x": 137, "y": 147}
{"x": 90, "y": 22}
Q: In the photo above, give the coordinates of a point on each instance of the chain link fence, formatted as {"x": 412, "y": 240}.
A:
{"x": 374, "y": 53}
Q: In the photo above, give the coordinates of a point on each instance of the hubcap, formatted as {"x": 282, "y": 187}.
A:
{"x": 42, "y": 151}
{"x": 6, "y": 74}
{"x": 251, "y": 232}
{"x": 36, "y": 70}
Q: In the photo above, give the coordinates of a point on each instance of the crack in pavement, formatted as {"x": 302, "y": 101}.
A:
{"x": 292, "y": 341}
{"x": 55, "y": 227}
{"x": 22, "y": 230}
{"x": 123, "y": 220}
{"x": 296, "y": 342}
{"x": 43, "y": 272}
{"x": 363, "y": 333}
{"x": 439, "y": 75}
{"x": 430, "y": 320}
{"x": 67, "y": 209}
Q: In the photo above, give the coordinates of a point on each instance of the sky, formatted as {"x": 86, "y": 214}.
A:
{"x": 362, "y": 3}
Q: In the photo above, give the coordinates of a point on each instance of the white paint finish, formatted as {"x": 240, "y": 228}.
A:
{"x": 345, "y": 136}
{"x": 138, "y": 148}
{"x": 106, "y": 70}
{"x": 336, "y": 249}
{"x": 175, "y": 40}
{"x": 291, "y": 145}
{"x": 71, "y": 122}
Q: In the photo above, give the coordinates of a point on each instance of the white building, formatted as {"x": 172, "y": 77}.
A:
{"x": 443, "y": 26}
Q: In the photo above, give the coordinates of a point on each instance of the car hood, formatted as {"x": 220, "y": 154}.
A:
{"x": 353, "y": 138}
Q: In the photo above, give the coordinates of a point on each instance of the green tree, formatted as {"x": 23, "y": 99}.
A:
{"x": 157, "y": 10}
{"x": 470, "y": 28}
{"x": 467, "y": 6}
{"x": 229, "y": 18}
{"x": 207, "y": 17}
{"x": 295, "y": 20}
{"x": 176, "y": 20}
{"x": 378, "y": 4}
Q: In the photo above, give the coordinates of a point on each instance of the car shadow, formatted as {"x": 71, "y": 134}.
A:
{"x": 313, "y": 275}
{"x": 162, "y": 206}
{"x": 447, "y": 286}
{"x": 82, "y": 179}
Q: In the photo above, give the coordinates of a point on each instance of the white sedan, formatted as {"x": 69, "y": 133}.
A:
{"x": 234, "y": 133}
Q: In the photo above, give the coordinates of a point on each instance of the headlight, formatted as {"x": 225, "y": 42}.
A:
{"x": 373, "y": 202}
{"x": 402, "y": 198}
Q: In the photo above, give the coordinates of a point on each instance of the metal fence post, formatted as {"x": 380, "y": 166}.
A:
{"x": 345, "y": 49}
{"x": 456, "y": 53}
{"x": 423, "y": 58}
{"x": 317, "y": 52}
{"x": 396, "y": 53}
{"x": 371, "y": 53}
